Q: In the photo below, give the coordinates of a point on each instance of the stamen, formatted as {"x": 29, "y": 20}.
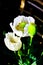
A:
{"x": 12, "y": 40}
{"x": 21, "y": 26}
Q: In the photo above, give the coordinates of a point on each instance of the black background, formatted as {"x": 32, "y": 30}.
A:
{"x": 8, "y": 10}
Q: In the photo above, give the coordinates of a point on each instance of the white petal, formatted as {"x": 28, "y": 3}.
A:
{"x": 17, "y": 20}
{"x": 11, "y": 25}
{"x": 18, "y": 33}
{"x": 31, "y": 19}
{"x": 26, "y": 30}
{"x": 8, "y": 44}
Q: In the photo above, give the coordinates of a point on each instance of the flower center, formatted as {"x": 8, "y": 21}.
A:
{"x": 21, "y": 26}
{"x": 12, "y": 40}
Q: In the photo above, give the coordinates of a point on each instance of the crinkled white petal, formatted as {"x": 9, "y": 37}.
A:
{"x": 18, "y": 33}
{"x": 10, "y": 45}
{"x": 31, "y": 19}
{"x": 26, "y": 30}
{"x": 18, "y": 20}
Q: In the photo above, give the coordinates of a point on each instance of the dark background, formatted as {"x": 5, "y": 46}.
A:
{"x": 9, "y": 9}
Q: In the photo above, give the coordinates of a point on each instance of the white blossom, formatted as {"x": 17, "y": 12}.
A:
{"x": 12, "y": 42}
{"x": 17, "y": 29}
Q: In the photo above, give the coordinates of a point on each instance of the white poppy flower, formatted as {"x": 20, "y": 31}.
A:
{"x": 12, "y": 42}
{"x": 20, "y": 25}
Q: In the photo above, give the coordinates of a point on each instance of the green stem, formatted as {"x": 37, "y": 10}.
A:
{"x": 31, "y": 40}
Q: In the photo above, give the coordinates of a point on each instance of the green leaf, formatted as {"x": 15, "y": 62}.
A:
{"x": 28, "y": 62}
{"x": 34, "y": 63}
{"x": 23, "y": 46}
{"x": 19, "y": 53}
{"x": 20, "y": 62}
{"x": 41, "y": 53}
{"x": 25, "y": 63}
{"x": 28, "y": 51}
{"x": 32, "y": 57}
